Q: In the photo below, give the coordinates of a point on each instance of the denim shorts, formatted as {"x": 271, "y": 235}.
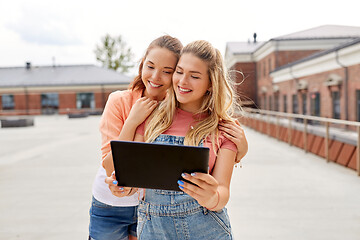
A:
{"x": 167, "y": 214}
{"x": 111, "y": 222}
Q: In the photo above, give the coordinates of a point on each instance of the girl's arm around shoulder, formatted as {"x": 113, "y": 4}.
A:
{"x": 142, "y": 108}
{"x": 235, "y": 133}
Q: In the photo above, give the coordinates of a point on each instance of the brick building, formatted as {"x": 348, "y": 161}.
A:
{"x": 314, "y": 72}
{"x": 69, "y": 89}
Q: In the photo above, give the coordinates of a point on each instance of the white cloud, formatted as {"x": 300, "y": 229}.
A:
{"x": 43, "y": 25}
{"x": 68, "y": 30}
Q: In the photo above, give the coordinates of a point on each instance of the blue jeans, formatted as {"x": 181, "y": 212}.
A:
{"x": 167, "y": 214}
{"x": 111, "y": 222}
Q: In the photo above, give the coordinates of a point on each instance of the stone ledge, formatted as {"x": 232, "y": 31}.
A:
{"x": 78, "y": 115}
{"x": 17, "y": 122}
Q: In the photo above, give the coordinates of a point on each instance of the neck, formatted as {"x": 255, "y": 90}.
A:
{"x": 191, "y": 109}
{"x": 157, "y": 98}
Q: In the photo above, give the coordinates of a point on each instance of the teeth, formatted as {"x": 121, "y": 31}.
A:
{"x": 184, "y": 90}
{"x": 154, "y": 85}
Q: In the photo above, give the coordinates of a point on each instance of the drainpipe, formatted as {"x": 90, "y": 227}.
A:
{"x": 26, "y": 100}
{"x": 256, "y": 81}
{"x": 346, "y": 71}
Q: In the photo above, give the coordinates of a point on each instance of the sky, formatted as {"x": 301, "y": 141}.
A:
{"x": 66, "y": 32}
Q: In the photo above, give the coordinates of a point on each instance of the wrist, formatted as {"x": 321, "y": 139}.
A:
{"x": 216, "y": 202}
{"x": 131, "y": 124}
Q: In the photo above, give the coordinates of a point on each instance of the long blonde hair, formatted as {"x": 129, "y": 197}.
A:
{"x": 217, "y": 103}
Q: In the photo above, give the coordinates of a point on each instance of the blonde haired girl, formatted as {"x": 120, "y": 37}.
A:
{"x": 200, "y": 99}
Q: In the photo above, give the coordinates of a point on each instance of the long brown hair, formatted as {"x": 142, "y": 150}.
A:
{"x": 170, "y": 43}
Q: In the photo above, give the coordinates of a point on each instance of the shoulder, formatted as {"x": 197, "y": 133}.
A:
{"x": 224, "y": 142}
{"x": 120, "y": 94}
{"x": 124, "y": 96}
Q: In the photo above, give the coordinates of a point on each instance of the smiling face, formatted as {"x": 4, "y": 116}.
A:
{"x": 157, "y": 71}
{"x": 191, "y": 81}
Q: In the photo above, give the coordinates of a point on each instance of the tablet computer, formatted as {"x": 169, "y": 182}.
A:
{"x": 156, "y": 166}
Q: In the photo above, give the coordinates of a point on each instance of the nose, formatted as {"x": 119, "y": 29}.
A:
{"x": 155, "y": 75}
{"x": 183, "y": 79}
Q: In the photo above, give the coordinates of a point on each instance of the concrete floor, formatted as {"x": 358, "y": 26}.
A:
{"x": 46, "y": 174}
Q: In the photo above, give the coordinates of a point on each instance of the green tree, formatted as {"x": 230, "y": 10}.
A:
{"x": 114, "y": 54}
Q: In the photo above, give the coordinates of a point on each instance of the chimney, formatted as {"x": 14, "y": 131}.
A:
{"x": 28, "y": 65}
{"x": 255, "y": 37}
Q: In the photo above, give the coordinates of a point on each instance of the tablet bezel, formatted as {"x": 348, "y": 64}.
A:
{"x": 154, "y": 165}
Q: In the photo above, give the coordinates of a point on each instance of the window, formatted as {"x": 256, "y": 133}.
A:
{"x": 358, "y": 105}
{"x": 276, "y": 99}
{"x": 265, "y": 103}
{"x": 295, "y": 103}
{"x": 49, "y": 103}
{"x": 270, "y": 68}
{"x": 315, "y": 104}
{"x": 264, "y": 69}
{"x": 85, "y": 100}
{"x": 270, "y": 103}
{"x": 304, "y": 103}
{"x": 8, "y": 102}
{"x": 336, "y": 104}
{"x": 260, "y": 102}
{"x": 284, "y": 103}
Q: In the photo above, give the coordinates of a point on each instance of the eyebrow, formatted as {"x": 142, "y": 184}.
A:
{"x": 190, "y": 71}
{"x": 164, "y": 67}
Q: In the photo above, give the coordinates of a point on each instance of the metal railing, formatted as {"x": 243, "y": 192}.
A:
{"x": 274, "y": 117}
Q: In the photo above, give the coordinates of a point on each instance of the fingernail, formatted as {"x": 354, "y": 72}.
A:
{"x": 121, "y": 188}
{"x": 193, "y": 174}
{"x": 181, "y": 187}
{"x": 183, "y": 175}
{"x": 180, "y": 182}
{"x": 115, "y": 182}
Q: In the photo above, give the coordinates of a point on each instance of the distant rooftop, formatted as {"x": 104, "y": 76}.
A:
{"x": 322, "y": 32}
{"x": 243, "y": 47}
{"x": 60, "y": 76}
{"x": 319, "y": 54}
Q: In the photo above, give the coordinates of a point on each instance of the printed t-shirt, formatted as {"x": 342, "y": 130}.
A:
{"x": 116, "y": 111}
{"x": 182, "y": 122}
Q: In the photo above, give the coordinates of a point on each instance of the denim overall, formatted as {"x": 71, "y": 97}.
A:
{"x": 165, "y": 214}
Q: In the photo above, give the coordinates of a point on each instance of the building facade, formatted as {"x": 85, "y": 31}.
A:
{"x": 69, "y": 89}
{"x": 312, "y": 72}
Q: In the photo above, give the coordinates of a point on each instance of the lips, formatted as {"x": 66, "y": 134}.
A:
{"x": 154, "y": 85}
{"x": 184, "y": 90}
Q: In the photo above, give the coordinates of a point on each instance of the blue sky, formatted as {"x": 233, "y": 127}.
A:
{"x": 68, "y": 31}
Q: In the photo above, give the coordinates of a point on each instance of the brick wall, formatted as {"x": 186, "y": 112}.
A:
{"x": 354, "y": 84}
{"x": 286, "y": 57}
{"x": 316, "y": 84}
{"x": 246, "y": 83}
{"x": 67, "y": 101}
{"x": 30, "y": 104}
